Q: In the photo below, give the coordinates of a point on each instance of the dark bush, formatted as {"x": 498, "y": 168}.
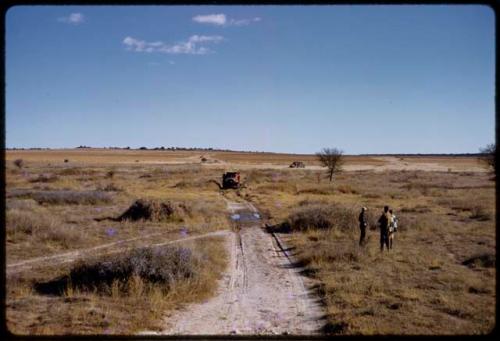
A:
{"x": 322, "y": 216}
{"x": 19, "y": 163}
{"x": 479, "y": 213}
{"x": 149, "y": 210}
{"x": 164, "y": 265}
{"x": 486, "y": 260}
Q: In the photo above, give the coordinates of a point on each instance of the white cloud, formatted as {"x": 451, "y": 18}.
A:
{"x": 191, "y": 46}
{"x": 73, "y": 18}
{"x": 243, "y": 22}
{"x": 214, "y": 19}
{"x": 222, "y": 20}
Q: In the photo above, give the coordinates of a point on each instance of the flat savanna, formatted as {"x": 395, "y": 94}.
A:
{"x": 70, "y": 211}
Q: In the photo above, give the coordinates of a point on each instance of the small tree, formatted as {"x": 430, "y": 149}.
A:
{"x": 488, "y": 156}
{"x": 332, "y": 159}
{"x": 19, "y": 163}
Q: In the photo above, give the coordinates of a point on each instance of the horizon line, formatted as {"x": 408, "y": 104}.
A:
{"x": 209, "y": 149}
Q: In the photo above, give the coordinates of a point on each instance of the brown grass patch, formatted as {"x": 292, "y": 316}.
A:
{"x": 120, "y": 295}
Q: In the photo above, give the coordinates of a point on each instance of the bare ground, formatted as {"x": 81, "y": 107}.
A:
{"x": 262, "y": 291}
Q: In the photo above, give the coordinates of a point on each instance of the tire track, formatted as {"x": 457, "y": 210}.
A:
{"x": 261, "y": 291}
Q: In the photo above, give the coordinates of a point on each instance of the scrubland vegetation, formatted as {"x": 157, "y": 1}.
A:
{"x": 438, "y": 279}
{"x": 119, "y": 294}
{"x": 61, "y": 208}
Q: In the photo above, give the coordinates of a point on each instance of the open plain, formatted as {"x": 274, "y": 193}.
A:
{"x": 73, "y": 215}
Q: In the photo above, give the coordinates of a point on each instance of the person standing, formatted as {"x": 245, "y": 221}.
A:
{"x": 363, "y": 223}
{"x": 393, "y": 227}
{"x": 384, "y": 221}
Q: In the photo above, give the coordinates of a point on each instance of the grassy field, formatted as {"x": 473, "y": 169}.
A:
{"x": 100, "y": 157}
{"x": 438, "y": 279}
{"x": 59, "y": 208}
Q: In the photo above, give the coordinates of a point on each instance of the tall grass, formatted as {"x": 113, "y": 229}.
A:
{"x": 39, "y": 228}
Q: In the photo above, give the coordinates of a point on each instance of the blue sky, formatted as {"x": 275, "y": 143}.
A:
{"x": 366, "y": 79}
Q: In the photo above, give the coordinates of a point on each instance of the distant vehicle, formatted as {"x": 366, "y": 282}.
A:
{"x": 297, "y": 164}
{"x": 231, "y": 180}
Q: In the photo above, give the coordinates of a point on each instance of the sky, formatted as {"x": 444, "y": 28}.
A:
{"x": 295, "y": 79}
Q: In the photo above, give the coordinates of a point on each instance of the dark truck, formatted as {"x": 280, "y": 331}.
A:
{"x": 297, "y": 164}
{"x": 231, "y": 180}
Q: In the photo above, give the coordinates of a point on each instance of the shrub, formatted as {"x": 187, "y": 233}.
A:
{"x": 322, "y": 216}
{"x": 479, "y": 213}
{"x": 19, "y": 163}
{"x": 486, "y": 260}
{"x": 71, "y": 197}
{"x": 160, "y": 265}
{"x": 152, "y": 210}
{"x": 166, "y": 265}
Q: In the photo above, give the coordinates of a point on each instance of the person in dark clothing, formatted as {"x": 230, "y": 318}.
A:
{"x": 384, "y": 221}
{"x": 363, "y": 223}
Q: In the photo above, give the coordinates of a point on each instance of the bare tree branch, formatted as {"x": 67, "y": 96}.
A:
{"x": 332, "y": 159}
{"x": 488, "y": 156}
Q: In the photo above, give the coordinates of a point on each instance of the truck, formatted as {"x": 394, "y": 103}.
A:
{"x": 297, "y": 164}
{"x": 231, "y": 180}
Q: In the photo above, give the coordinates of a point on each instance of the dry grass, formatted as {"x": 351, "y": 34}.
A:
{"x": 130, "y": 293}
{"x": 49, "y": 217}
{"x": 438, "y": 279}
{"x": 24, "y": 226}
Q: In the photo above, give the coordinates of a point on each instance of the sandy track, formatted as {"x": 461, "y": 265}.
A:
{"x": 107, "y": 248}
{"x": 260, "y": 293}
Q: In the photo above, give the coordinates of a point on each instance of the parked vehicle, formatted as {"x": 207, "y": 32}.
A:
{"x": 231, "y": 180}
{"x": 297, "y": 164}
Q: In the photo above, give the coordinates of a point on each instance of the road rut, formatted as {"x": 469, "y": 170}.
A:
{"x": 260, "y": 293}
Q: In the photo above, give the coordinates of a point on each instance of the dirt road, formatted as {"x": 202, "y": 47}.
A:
{"x": 261, "y": 292}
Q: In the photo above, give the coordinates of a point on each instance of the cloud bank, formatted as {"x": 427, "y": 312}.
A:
{"x": 194, "y": 45}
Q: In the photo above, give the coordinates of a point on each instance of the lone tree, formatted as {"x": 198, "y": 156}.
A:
{"x": 488, "y": 156}
{"x": 332, "y": 159}
{"x": 19, "y": 163}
